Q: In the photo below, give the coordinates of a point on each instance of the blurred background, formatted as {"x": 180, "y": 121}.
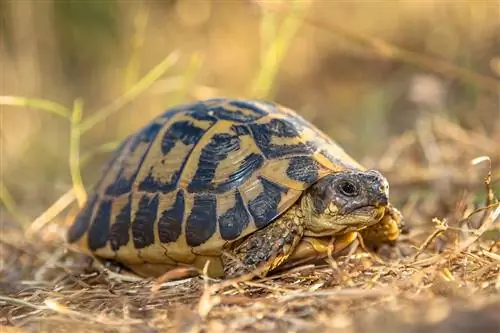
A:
{"x": 365, "y": 72}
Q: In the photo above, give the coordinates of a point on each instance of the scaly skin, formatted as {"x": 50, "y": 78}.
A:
{"x": 268, "y": 248}
{"x": 326, "y": 210}
{"x": 284, "y": 241}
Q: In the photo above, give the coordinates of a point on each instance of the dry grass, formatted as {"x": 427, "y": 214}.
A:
{"x": 442, "y": 276}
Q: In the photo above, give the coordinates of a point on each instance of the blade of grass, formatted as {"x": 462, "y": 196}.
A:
{"x": 50, "y": 213}
{"x": 77, "y": 128}
{"x": 74, "y": 153}
{"x": 10, "y": 206}
{"x": 5, "y": 197}
{"x": 67, "y": 198}
{"x": 131, "y": 94}
{"x": 36, "y": 103}
{"x": 276, "y": 47}
{"x": 188, "y": 78}
{"x": 267, "y": 33}
{"x": 137, "y": 41}
{"x": 20, "y": 302}
{"x": 391, "y": 51}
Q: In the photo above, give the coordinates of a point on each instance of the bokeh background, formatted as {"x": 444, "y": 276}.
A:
{"x": 363, "y": 71}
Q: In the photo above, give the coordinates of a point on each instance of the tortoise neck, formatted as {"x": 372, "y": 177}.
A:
{"x": 317, "y": 224}
{"x": 306, "y": 209}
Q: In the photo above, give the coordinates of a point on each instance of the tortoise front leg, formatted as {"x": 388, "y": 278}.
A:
{"x": 318, "y": 248}
{"x": 312, "y": 249}
{"x": 385, "y": 231}
{"x": 266, "y": 249}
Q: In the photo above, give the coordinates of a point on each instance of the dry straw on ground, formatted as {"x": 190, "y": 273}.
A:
{"x": 442, "y": 276}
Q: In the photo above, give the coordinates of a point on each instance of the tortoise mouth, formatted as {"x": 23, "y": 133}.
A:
{"x": 366, "y": 215}
{"x": 335, "y": 222}
{"x": 356, "y": 220}
{"x": 363, "y": 217}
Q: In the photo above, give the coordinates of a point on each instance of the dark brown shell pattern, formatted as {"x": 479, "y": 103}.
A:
{"x": 201, "y": 175}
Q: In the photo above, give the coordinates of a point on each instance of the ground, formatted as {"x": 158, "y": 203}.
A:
{"x": 441, "y": 276}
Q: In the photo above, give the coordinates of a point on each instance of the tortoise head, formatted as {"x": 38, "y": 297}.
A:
{"x": 345, "y": 201}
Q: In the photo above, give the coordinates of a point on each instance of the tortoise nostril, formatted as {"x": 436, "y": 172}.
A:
{"x": 382, "y": 200}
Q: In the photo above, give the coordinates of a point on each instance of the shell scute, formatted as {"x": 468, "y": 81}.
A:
{"x": 248, "y": 166}
{"x": 120, "y": 222}
{"x": 182, "y": 131}
{"x": 217, "y": 150}
{"x": 143, "y": 221}
{"x": 223, "y": 161}
{"x": 240, "y": 130}
{"x": 82, "y": 221}
{"x": 170, "y": 221}
{"x": 167, "y": 157}
{"x": 265, "y": 206}
{"x": 233, "y": 221}
{"x": 238, "y": 116}
{"x": 278, "y": 138}
{"x": 303, "y": 169}
{"x": 131, "y": 160}
{"x": 201, "y": 223}
{"x": 99, "y": 230}
{"x": 239, "y": 111}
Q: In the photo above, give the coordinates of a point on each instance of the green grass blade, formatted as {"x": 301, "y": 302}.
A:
{"x": 276, "y": 48}
{"x": 74, "y": 153}
{"x": 10, "y": 206}
{"x": 35, "y": 103}
{"x": 188, "y": 78}
{"x": 131, "y": 94}
{"x": 137, "y": 42}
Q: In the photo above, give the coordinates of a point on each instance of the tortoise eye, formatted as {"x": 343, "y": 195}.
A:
{"x": 348, "y": 189}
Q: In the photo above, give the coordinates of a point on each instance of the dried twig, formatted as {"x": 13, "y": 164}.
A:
{"x": 441, "y": 226}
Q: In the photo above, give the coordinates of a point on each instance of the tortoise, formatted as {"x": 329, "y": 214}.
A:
{"x": 227, "y": 186}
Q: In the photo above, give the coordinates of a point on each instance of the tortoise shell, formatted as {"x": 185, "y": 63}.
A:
{"x": 202, "y": 175}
